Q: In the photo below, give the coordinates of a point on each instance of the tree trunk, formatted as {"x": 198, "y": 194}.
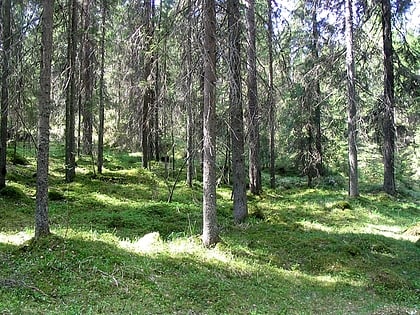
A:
{"x": 71, "y": 93}
{"x": 41, "y": 214}
{"x": 88, "y": 79}
{"x": 316, "y": 119}
{"x": 388, "y": 124}
{"x": 101, "y": 94}
{"x": 148, "y": 96}
{"x": 5, "y": 14}
{"x": 254, "y": 136}
{"x": 351, "y": 104}
{"x": 188, "y": 99}
{"x": 240, "y": 208}
{"x": 210, "y": 230}
{"x": 271, "y": 105}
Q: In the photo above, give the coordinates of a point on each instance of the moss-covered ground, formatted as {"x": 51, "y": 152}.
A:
{"x": 118, "y": 247}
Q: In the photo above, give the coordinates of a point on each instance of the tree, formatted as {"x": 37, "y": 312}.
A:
{"x": 312, "y": 149}
{"x": 240, "y": 208}
{"x": 148, "y": 94}
{"x": 71, "y": 92}
{"x": 6, "y": 36}
{"x": 101, "y": 92}
{"x": 351, "y": 103}
{"x": 88, "y": 79}
{"x": 388, "y": 100}
{"x": 188, "y": 96}
{"x": 316, "y": 90}
{"x": 44, "y": 107}
{"x": 253, "y": 119}
{"x": 271, "y": 106}
{"x": 210, "y": 229}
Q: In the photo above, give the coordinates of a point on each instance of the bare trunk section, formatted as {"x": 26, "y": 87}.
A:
{"x": 148, "y": 96}
{"x": 5, "y": 9}
{"x": 41, "y": 213}
{"x": 254, "y": 135}
{"x": 101, "y": 93}
{"x": 188, "y": 100}
{"x": 88, "y": 62}
{"x": 388, "y": 124}
{"x": 351, "y": 104}
{"x": 240, "y": 208}
{"x": 210, "y": 229}
{"x": 71, "y": 93}
{"x": 271, "y": 105}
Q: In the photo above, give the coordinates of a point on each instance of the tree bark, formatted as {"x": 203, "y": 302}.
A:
{"x": 271, "y": 105}
{"x": 101, "y": 93}
{"x": 388, "y": 124}
{"x": 240, "y": 208}
{"x": 188, "y": 99}
{"x": 210, "y": 229}
{"x": 88, "y": 79}
{"x": 148, "y": 96}
{"x": 254, "y": 136}
{"x": 71, "y": 93}
{"x": 5, "y": 10}
{"x": 351, "y": 103}
{"x": 41, "y": 213}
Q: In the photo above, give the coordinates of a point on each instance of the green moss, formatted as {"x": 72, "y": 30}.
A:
{"x": 13, "y": 193}
{"x": 342, "y": 205}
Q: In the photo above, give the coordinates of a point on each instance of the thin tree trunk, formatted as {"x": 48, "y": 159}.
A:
{"x": 5, "y": 14}
{"x": 316, "y": 119}
{"x": 71, "y": 93}
{"x": 388, "y": 125}
{"x": 240, "y": 208}
{"x": 189, "y": 101}
{"x": 271, "y": 105}
{"x": 88, "y": 56}
{"x": 148, "y": 96}
{"x": 41, "y": 214}
{"x": 254, "y": 137}
{"x": 210, "y": 229}
{"x": 101, "y": 93}
{"x": 351, "y": 104}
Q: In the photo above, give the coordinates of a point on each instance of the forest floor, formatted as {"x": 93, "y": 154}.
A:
{"x": 118, "y": 247}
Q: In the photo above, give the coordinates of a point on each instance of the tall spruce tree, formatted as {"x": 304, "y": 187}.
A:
{"x": 240, "y": 209}
{"x": 353, "y": 189}
{"x": 5, "y": 12}
{"x": 255, "y": 184}
{"x": 210, "y": 229}
{"x": 388, "y": 100}
{"x": 42, "y": 227}
{"x": 70, "y": 154}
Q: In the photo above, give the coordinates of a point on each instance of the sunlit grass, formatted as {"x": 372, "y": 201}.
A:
{"x": 118, "y": 247}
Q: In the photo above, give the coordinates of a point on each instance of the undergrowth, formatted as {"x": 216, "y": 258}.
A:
{"x": 118, "y": 247}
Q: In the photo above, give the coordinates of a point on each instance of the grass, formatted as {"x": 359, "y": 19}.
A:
{"x": 119, "y": 248}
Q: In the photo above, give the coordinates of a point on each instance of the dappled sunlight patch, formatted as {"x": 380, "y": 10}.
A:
{"x": 16, "y": 238}
{"x": 105, "y": 199}
{"x": 308, "y": 225}
{"x": 391, "y": 231}
{"x": 89, "y": 235}
{"x": 149, "y": 243}
{"x": 193, "y": 246}
{"x": 225, "y": 194}
{"x": 135, "y": 154}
